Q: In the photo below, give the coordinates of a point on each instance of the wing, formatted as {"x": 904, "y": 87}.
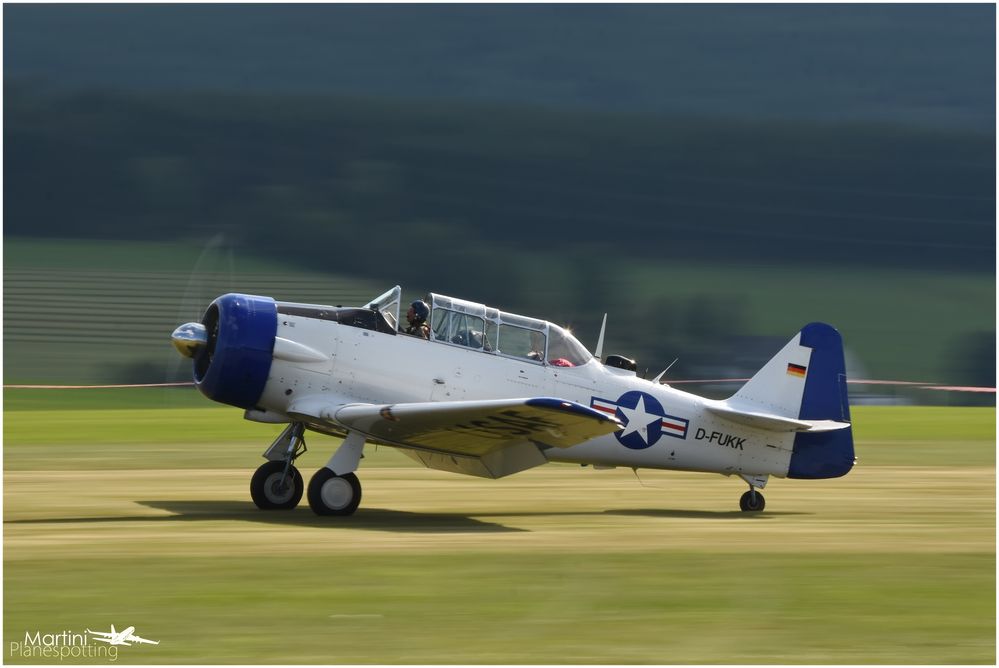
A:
{"x": 134, "y": 638}
{"x": 477, "y": 428}
{"x": 505, "y": 435}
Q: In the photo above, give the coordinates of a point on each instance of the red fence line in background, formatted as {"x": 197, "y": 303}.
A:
{"x": 920, "y": 386}
{"x": 947, "y": 388}
{"x": 907, "y": 383}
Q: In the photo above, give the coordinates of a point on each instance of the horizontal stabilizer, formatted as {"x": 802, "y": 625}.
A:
{"x": 771, "y": 422}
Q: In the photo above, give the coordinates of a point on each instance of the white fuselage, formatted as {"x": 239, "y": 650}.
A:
{"x": 365, "y": 366}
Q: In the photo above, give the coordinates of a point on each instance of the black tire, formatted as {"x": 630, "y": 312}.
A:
{"x": 264, "y": 487}
{"x": 332, "y": 494}
{"x": 747, "y": 504}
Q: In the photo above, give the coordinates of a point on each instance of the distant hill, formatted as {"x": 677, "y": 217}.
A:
{"x": 451, "y": 192}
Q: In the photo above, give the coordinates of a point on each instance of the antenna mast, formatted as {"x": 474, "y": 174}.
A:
{"x": 600, "y": 340}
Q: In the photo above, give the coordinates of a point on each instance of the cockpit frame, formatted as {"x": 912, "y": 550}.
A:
{"x": 475, "y": 326}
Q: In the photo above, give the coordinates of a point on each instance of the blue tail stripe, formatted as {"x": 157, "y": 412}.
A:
{"x": 825, "y": 386}
{"x": 825, "y": 454}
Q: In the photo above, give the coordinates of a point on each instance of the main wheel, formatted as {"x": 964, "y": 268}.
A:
{"x": 749, "y": 505}
{"x": 332, "y": 494}
{"x": 271, "y": 490}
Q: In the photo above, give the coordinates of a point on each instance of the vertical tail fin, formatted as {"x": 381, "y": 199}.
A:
{"x": 807, "y": 380}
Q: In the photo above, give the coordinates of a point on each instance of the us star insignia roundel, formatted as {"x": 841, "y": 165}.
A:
{"x": 644, "y": 418}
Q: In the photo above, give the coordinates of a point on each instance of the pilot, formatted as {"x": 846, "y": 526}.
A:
{"x": 537, "y": 347}
{"x": 417, "y": 317}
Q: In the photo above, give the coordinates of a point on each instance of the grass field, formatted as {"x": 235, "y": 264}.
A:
{"x": 140, "y": 515}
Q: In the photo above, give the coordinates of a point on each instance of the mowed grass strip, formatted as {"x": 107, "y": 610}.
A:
{"x": 142, "y": 517}
{"x": 185, "y": 513}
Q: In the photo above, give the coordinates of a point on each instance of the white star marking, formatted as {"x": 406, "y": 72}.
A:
{"x": 638, "y": 420}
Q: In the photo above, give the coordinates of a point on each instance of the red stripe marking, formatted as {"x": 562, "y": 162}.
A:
{"x": 713, "y": 380}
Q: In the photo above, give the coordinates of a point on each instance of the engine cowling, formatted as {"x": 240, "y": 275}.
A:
{"x": 233, "y": 364}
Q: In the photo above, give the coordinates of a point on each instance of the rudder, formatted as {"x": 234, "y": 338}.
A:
{"x": 826, "y": 454}
{"x": 806, "y": 380}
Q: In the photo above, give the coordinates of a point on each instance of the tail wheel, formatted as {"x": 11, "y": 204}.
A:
{"x": 272, "y": 489}
{"x": 332, "y": 494}
{"x": 752, "y": 502}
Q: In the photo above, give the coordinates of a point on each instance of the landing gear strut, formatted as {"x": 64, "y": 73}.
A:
{"x": 333, "y": 490}
{"x": 277, "y": 484}
{"x": 752, "y": 501}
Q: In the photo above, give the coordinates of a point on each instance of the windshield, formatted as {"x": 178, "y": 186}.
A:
{"x": 388, "y": 305}
{"x": 564, "y": 349}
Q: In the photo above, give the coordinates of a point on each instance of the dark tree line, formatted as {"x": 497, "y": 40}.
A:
{"x": 373, "y": 183}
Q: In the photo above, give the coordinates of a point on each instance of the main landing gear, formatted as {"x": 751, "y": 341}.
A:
{"x": 332, "y": 494}
{"x": 753, "y": 501}
{"x": 278, "y": 485}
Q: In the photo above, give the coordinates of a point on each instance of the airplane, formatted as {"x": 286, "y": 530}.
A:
{"x": 124, "y": 637}
{"x": 489, "y": 393}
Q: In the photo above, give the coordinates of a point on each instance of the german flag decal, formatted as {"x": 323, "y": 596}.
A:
{"x": 796, "y": 370}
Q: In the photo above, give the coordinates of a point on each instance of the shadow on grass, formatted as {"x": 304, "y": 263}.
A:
{"x": 704, "y": 514}
{"x": 365, "y": 518}
{"x": 379, "y": 519}
{"x": 648, "y": 512}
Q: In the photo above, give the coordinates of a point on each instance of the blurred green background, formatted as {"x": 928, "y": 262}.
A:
{"x": 713, "y": 177}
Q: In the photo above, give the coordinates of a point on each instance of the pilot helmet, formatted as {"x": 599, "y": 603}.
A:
{"x": 420, "y": 310}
